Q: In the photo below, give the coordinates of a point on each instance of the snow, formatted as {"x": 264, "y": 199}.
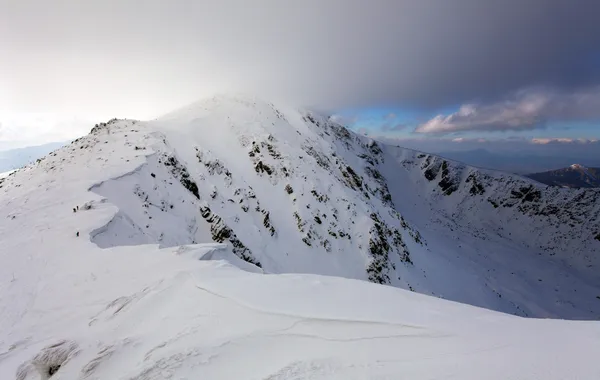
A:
{"x": 6, "y": 174}
{"x": 102, "y": 279}
{"x": 144, "y": 313}
{"x": 499, "y": 250}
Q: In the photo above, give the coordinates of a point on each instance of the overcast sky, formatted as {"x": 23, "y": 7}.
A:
{"x": 440, "y": 67}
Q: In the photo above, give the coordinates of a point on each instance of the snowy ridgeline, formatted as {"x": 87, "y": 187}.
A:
{"x": 114, "y": 282}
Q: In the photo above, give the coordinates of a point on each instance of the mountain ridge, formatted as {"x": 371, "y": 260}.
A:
{"x": 574, "y": 176}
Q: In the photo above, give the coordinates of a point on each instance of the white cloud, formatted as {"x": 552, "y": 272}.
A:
{"x": 526, "y": 110}
{"x": 563, "y": 140}
{"x": 548, "y": 140}
{"x": 468, "y": 140}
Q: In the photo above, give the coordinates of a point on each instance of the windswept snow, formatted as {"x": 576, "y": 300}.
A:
{"x": 196, "y": 246}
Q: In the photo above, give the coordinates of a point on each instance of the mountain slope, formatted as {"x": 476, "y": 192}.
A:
{"x": 292, "y": 191}
{"x": 575, "y": 176}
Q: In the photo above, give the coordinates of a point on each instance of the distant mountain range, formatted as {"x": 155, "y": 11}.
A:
{"x": 15, "y": 158}
{"x": 575, "y": 176}
{"x": 514, "y": 162}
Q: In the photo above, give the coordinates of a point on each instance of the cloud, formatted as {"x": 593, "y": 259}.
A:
{"x": 526, "y": 110}
{"x": 389, "y": 116}
{"x": 548, "y": 140}
{"x": 561, "y": 140}
{"x": 117, "y": 58}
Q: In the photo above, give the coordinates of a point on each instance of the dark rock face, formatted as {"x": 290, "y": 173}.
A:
{"x": 384, "y": 240}
{"x": 221, "y": 232}
{"x": 433, "y": 166}
{"x": 180, "y": 171}
{"x": 447, "y": 184}
{"x": 476, "y": 187}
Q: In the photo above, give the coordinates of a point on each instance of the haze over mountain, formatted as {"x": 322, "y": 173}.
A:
{"x": 15, "y": 158}
{"x": 142, "y": 251}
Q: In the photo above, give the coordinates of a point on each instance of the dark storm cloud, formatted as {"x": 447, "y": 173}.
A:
{"x": 142, "y": 58}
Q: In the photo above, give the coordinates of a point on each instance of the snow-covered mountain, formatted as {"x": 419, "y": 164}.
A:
{"x": 575, "y": 176}
{"x": 101, "y": 241}
{"x": 291, "y": 191}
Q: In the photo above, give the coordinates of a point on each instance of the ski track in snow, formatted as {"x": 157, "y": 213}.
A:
{"x": 144, "y": 293}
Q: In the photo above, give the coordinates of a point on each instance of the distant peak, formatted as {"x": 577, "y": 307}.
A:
{"x": 577, "y": 167}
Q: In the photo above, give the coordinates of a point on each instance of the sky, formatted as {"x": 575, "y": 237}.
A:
{"x": 431, "y": 71}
